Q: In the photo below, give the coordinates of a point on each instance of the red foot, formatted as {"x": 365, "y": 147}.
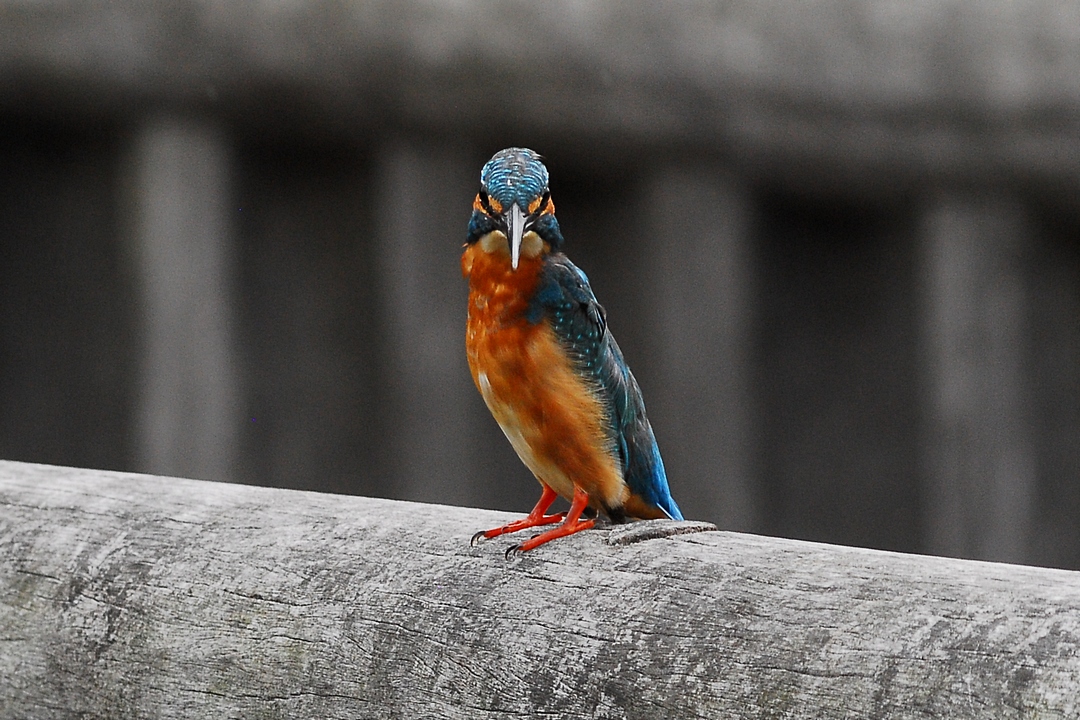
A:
{"x": 571, "y": 525}
{"x": 534, "y": 518}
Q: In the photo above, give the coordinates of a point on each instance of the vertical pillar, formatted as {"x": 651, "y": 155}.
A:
{"x": 699, "y": 301}
{"x": 1055, "y": 390}
{"x": 187, "y": 421}
{"x": 981, "y": 469}
{"x": 430, "y": 408}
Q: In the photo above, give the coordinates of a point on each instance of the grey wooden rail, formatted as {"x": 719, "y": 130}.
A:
{"x": 947, "y": 87}
{"x": 126, "y": 596}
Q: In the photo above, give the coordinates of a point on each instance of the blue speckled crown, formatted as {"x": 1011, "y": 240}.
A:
{"x": 514, "y": 175}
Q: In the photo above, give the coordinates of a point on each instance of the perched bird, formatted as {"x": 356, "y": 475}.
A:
{"x": 546, "y": 365}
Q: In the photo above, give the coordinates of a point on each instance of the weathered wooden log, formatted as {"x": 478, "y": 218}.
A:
{"x": 136, "y": 596}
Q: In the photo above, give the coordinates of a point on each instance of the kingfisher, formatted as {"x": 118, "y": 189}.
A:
{"x": 547, "y": 366}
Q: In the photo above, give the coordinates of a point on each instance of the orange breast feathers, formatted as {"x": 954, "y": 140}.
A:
{"x": 546, "y": 410}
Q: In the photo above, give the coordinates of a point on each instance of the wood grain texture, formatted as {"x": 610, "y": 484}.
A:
{"x": 136, "y": 596}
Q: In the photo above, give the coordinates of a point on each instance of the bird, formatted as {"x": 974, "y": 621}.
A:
{"x": 542, "y": 356}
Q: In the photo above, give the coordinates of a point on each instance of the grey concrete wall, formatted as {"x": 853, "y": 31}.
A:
{"x": 836, "y": 241}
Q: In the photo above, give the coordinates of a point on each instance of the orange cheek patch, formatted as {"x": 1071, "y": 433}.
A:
{"x": 549, "y": 209}
{"x": 494, "y": 204}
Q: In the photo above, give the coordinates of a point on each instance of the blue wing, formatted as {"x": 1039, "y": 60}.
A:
{"x": 567, "y": 300}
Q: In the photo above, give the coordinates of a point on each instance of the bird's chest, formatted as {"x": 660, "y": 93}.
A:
{"x": 506, "y": 355}
{"x": 499, "y": 339}
{"x": 502, "y": 346}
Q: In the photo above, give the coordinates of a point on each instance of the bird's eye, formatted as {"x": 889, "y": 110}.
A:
{"x": 540, "y": 204}
{"x": 485, "y": 202}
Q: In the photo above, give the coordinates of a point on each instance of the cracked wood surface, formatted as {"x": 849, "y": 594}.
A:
{"x": 136, "y": 596}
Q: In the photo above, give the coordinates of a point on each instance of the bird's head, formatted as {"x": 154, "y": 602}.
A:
{"x": 513, "y": 208}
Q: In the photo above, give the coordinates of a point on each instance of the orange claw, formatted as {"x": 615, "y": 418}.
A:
{"x": 534, "y": 518}
{"x": 572, "y": 524}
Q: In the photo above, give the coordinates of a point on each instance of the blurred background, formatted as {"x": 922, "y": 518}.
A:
{"x": 838, "y": 241}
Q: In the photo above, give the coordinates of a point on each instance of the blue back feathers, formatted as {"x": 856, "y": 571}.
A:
{"x": 567, "y": 301}
{"x": 514, "y": 175}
